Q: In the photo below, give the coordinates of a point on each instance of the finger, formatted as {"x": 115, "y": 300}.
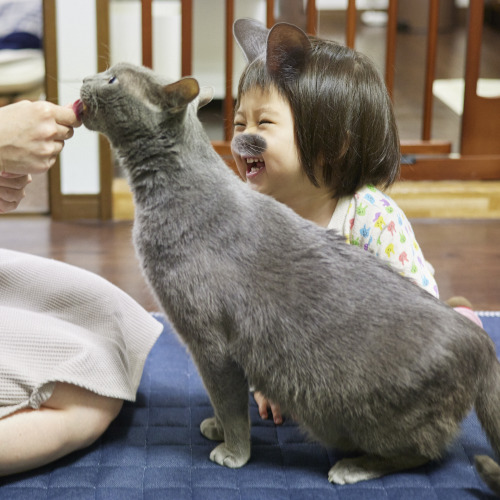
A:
{"x": 10, "y": 195}
{"x": 8, "y": 175}
{"x": 66, "y": 116}
{"x": 51, "y": 161}
{"x": 263, "y": 409}
{"x": 276, "y": 411}
{"x": 6, "y": 206}
{"x": 63, "y": 132}
{"x": 74, "y": 108}
{"x": 48, "y": 157}
{"x": 56, "y": 149}
{"x": 14, "y": 181}
{"x": 262, "y": 404}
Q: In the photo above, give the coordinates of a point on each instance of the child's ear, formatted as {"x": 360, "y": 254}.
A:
{"x": 206, "y": 95}
{"x": 179, "y": 94}
{"x": 287, "y": 50}
{"x": 251, "y": 36}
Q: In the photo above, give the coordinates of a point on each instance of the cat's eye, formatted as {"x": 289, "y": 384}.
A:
{"x": 113, "y": 79}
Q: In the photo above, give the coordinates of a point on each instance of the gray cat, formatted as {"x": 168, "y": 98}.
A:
{"x": 259, "y": 294}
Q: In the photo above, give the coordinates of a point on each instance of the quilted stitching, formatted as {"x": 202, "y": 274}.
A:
{"x": 155, "y": 450}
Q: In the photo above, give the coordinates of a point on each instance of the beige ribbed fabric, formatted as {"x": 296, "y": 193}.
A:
{"x": 59, "y": 323}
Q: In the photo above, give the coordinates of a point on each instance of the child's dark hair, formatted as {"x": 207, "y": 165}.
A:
{"x": 344, "y": 122}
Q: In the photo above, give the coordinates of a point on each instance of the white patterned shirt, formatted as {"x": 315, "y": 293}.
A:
{"x": 373, "y": 221}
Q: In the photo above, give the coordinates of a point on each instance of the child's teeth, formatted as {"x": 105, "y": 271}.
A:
{"x": 254, "y": 164}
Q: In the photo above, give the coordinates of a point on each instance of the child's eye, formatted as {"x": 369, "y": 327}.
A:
{"x": 239, "y": 125}
{"x": 264, "y": 122}
{"x": 113, "y": 79}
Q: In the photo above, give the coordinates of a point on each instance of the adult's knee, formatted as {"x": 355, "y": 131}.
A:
{"x": 94, "y": 421}
{"x": 85, "y": 414}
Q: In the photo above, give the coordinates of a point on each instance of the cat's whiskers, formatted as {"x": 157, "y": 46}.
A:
{"x": 72, "y": 85}
{"x": 105, "y": 54}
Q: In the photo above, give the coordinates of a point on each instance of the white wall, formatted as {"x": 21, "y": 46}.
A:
{"x": 77, "y": 58}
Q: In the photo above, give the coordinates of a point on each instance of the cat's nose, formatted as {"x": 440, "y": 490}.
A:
{"x": 251, "y": 144}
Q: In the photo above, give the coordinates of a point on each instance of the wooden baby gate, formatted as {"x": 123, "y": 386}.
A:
{"x": 479, "y": 157}
{"x": 480, "y": 141}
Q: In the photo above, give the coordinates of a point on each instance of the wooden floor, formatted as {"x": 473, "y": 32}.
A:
{"x": 418, "y": 199}
{"x": 465, "y": 254}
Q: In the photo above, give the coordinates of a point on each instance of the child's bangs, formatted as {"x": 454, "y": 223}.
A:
{"x": 255, "y": 75}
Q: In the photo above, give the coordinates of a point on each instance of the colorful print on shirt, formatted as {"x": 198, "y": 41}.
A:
{"x": 373, "y": 221}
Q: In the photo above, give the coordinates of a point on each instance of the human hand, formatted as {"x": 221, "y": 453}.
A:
{"x": 32, "y": 134}
{"x": 264, "y": 405}
{"x": 12, "y": 190}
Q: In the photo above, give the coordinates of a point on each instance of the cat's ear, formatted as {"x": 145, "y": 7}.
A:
{"x": 206, "y": 95}
{"x": 288, "y": 48}
{"x": 179, "y": 94}
{"x": 251, "y": 36}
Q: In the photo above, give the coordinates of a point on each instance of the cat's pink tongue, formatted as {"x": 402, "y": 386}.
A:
{"x": 78, "y": 108}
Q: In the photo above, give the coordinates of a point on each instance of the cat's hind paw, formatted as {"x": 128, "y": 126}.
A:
{"x": 223, "y": 456}
{"x": 353, "y": 470}
{"x": 350, "y": 471}
{"x": 211, "y": 429}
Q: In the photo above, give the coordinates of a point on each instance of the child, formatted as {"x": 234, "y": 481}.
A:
{"x": 315, "y": 129}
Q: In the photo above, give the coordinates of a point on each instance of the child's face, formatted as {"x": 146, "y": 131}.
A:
{"x": 277, "y": 171}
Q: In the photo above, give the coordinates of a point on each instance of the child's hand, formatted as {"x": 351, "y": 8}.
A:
{"x": 264, "y": 405}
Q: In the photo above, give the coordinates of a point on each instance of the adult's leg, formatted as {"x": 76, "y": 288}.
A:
{"x": 71, "y": 419}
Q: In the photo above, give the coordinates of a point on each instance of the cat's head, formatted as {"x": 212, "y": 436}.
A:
{"x": 127, "y": 99}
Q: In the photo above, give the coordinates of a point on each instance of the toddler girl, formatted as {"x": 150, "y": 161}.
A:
{"x": 314, "y": 128}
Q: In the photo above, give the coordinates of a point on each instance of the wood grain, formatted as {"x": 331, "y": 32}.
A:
{"x": 465, "y": 254}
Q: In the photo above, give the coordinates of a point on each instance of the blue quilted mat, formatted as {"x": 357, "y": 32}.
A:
{"x": 154, "y": 450}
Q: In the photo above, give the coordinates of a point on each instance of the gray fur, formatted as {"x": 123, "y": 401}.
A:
{"x": 251, "y": 36}
{"x": 255, "y": 40}
{"x": 249, "y": 144}
{"x": 362, "y": 358}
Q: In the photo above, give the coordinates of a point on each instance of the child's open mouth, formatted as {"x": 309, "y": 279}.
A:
{"x": 254, "y": 166}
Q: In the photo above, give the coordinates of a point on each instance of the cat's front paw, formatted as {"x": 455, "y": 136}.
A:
{"x": 223, "y": 456}
{"x": 211, "y": 430}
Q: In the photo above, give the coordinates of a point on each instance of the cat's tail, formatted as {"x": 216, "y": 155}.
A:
{"x": 489, "y": 471}
{"x": 487, "y": 407}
